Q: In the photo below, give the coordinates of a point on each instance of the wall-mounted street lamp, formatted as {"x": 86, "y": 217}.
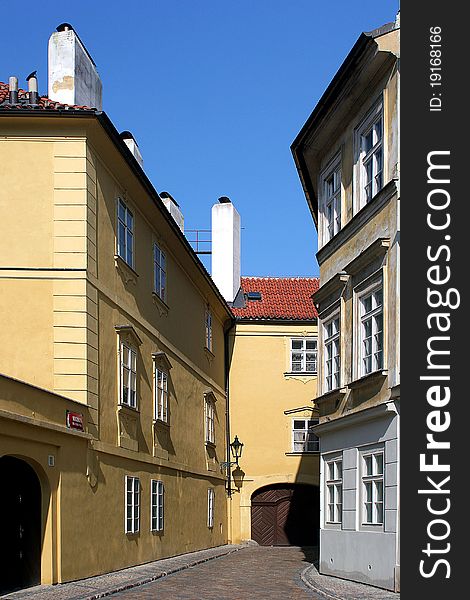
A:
{"x": 236, "y": 447}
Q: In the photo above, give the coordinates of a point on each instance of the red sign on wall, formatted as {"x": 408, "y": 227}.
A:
{"x": 74, "y": 420}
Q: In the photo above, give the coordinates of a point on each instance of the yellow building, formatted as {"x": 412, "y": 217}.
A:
{"x": 273, "y": 382}
{"x": 112, "y": 394}
{"x": 347, "y": 154}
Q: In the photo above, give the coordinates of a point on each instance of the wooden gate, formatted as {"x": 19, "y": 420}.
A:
{"x": 284, "y": 515}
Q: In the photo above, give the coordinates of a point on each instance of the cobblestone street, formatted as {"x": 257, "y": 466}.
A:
{"x": 257, "y": 573}
{"x": 230, "y": 572}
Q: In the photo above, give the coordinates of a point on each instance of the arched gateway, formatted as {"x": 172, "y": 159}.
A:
{"x": 20, "y": 506}
{"x": 285, "y": 515}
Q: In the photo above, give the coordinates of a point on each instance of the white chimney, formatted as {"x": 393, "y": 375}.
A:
{"x": 73, "y": 78}
{"x": 130, "y": 142}
{"x": 173, "y": 208}
{"x": 226, "y": 248}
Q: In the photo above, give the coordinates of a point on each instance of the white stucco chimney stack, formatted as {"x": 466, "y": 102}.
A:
{"x": 173, "y": 208}
{"x": 226, "y": 248}
{"x": 73, "y": 78}
{"x": 130, "y": 142}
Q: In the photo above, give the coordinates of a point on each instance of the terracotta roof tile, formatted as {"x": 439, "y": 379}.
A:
{"x": 44, "y": 103}
{"x": 286, "y": 298}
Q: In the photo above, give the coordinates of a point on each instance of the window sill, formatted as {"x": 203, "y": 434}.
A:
{"x": 377, "y": 527}
{"x": 162, "y": 306}
{"x": 210, "y": 444}
{"x": 310, "y": 452}
{"x": 160, "y": 423}
{"x": 125, "y": 270}
{"x": 126, "y": 408}
{"x": 300, "y": 373}
{"x": 209, "y": 354}
{"x": 368, "y": 379}
{"x": 331, "y": 395}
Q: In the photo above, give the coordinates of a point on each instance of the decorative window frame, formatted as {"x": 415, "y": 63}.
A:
{"x": 303, "y": 351}
{"x": 333, "y": 490}
{"x": 209, "y": 418}
{"x": 127, "y": 338}
{"x": 369, "y": 273}
{"x": 370, "y": 290}
{"x": 161, "y": 395}
{"x": 376, "y": 481}
{"x": 157, "y": 505}
{"x": 123, "y": 212}
{"x": 334, "y": 314}
{"x": 208, "y": 330}
{"x": 326, "y": 232}
{"x": 367, "y": 123}
{"x": 210, "y": 507}
{"x": 308, "y": 423}
{"x": 160, "y": 266}
{"x": 131, "y": 502}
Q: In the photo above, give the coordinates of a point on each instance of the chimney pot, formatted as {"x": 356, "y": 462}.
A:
{"x": 32, "y": 88}
{"x": 13, "y": 86}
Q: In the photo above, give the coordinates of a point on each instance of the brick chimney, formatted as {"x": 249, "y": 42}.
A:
{"x": 73, "y": 78}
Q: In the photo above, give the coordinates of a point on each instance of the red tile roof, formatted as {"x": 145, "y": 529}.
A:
{"x": 286, "y": 298}
{"x": 44, "y": 103}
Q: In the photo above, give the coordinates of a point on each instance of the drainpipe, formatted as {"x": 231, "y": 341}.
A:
{"x": 227, "y": 429}
{"x": 227, "y": 404}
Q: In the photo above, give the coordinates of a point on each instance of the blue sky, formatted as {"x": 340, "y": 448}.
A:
{"x": 214, "y": 91}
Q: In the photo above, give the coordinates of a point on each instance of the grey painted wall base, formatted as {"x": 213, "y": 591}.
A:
{"x": 362, "y": 556}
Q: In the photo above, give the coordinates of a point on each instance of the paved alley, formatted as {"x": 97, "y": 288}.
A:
{"x": 259, "y": 573}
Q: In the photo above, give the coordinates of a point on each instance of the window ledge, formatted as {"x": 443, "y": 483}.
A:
{"x": 310, "y": 452}
{"x": 125, "y": 270}
{"x": 209, "y": 354}
{"x": 336, "y": 393}
{"x": 369, "y": 378}
{"x": 162, "y": 306}
{"x": 300, "y": 373}
{"x": 210, "y": 444}
{"x": 126, "y": 408}
{"x": 160, "y": 423}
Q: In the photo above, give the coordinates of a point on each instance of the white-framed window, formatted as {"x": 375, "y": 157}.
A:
{"x": 161, "y": 395}
{"x": 159, "y": 272}
{"x": 132, "y": 500}
{"x": 332, "y": 357}
{"x": 210, "y": 507}
{"x": 209, "y": 411}
{"x": 303, "y": 438}
{"x": 372, "y": 487}
{"x": 128, "y": 375}
{"x": 334, "y": 489}
{"x": 125, "y": 233}
{"x": 371, "y": 154}
{"x": 371, "y": 333}
{"x": 208, "y": 329}
{"x": 303, "y": 355}
{"x": 332, "y": 201}
{"x": 157, "y": 493}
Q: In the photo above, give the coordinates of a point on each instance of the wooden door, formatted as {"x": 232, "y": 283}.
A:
{"x": 285, "y": 515}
